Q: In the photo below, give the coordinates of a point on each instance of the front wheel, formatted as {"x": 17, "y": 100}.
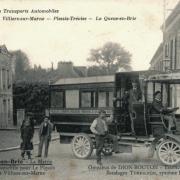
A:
{"x": 169, "y": 152}
{"x": 82, "y": 146}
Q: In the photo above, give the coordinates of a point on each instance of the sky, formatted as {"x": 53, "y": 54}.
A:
{"x": 53, "y": 41}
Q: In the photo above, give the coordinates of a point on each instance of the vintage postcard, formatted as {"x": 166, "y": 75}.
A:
{"x": 89, "y": 89}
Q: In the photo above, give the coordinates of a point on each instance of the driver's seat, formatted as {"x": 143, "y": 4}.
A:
{"x": 154, "y": 120}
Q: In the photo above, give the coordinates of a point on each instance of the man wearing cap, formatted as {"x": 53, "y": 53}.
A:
{"x": 45, "y": 131}
{"x": 167, "y": 113}
{"x": 99, "y": 127}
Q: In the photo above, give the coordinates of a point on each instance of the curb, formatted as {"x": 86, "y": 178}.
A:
{"x": 18, "y": 147}
{"x": 15, "y": 128}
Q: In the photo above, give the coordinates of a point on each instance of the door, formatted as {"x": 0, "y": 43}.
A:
{"x": 139, "y": 119}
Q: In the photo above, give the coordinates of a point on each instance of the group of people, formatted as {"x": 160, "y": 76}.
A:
{"x": 99, "y": 127}
{"x": 27, "y": 133}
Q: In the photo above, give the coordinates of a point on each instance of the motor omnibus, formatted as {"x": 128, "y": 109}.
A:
{"x": 75, "y": 102}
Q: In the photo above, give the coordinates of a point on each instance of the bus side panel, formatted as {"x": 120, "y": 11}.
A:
{"x": 73, "y": 123}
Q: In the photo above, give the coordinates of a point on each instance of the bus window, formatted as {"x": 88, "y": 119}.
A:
{"x": 150, "y": 92}
{"x": 102, "y": 99}
{"x": 105, "y": 99}
{"x": 88, "y": 99}
{"x": 111, "y": 95}
{"x": 157, "y": 87}
{"x": 141, "y": 83}
{"x": 57, "y": 99}
{"x": 177, "y": 99}
{"x": 72, "y": 98}
{"x": 165, "y": 95}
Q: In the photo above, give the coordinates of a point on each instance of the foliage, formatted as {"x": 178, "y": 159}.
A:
{"x": 31, "y": 85}
{"x": 33, "y": 97}
{"x": 21, "y": 64}
{"x": 110, "y": 57}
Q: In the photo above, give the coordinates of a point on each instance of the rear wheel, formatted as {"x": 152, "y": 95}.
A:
{"x": 82, "y": 146}
{"x": 169, "y": 152}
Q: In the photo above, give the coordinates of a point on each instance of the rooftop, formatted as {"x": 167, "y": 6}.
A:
{"x": 175, "y": 12}
{"x": 84, "y": 80}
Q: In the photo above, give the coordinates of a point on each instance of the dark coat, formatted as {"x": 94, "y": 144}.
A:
{"x": 49, "y": 129}
{"x": 27, "y": 133}
{"x": 158, "y": 108}
{"x": 134, "y": 97}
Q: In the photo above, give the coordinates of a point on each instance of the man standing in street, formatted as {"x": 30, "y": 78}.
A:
{"x": 99, "y": 127}
{"x": 45, "y": 131}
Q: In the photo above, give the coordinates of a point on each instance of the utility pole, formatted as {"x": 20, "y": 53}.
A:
{"x": 52, "y": 66}
{"x": 165, "y": 61}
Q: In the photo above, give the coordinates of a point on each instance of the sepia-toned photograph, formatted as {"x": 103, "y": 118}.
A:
{"x": 90, "y": 89}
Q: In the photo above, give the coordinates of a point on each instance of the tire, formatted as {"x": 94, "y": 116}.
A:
{"x": 82, "y": 146}
{"x": 168, "y": 152}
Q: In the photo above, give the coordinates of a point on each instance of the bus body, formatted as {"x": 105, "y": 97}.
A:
{"x": 75, "y": 102}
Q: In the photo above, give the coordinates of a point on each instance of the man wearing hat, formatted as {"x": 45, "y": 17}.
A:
{"x": 167, "y": 113}
{"x": 99, "y": 127}
{"x": 45, "y": 131}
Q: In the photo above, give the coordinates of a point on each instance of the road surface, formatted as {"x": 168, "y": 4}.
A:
{"x": 66, "y": 167}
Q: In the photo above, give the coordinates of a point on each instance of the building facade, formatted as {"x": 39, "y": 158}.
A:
{"x": 157, "y": 60}
{"x": 167, "y": 56}
{"x": 6, "y": 96}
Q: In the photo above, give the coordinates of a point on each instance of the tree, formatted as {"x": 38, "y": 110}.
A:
{"x": 21, "y": 64}
{"x": 33, "y": 97}
{"x": 111, "y": 57}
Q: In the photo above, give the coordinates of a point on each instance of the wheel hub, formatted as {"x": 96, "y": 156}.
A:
{"x": 170, "y": 153}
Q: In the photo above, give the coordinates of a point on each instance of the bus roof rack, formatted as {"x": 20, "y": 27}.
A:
{"x": 84, "y": 80}
{"x": 170, "y": 77}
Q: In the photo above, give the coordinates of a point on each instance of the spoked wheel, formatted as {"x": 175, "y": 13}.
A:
{"x": 107, "y": 148}
{"x": 82, "y": 146}
{"x": 169, "y": 152}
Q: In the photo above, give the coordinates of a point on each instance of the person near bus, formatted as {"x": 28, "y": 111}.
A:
{"x": 99, "y": 127}
{"x": 124, "y": 109}
{"x": 134, "y": 97}
{"x": 45, "y": 131}
{"x": 131, "y": 96}
{"x": 27, "y": 132}
{"x": 166, "y": 113}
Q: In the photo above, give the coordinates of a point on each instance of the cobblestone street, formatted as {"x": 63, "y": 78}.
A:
{"x": 67, "y": 167}
{"x": 11, "y": 138}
